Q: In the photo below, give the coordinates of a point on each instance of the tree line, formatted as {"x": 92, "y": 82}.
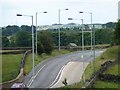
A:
{"x": 15, "y": 36}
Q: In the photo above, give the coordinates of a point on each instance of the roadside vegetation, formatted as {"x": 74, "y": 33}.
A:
{"x": 103, "y": 84}
{"x": 113, "y": 70}
{"x": 110, "y": 54}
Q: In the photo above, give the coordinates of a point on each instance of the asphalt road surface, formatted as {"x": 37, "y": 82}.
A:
{"x": 48, "y": 72}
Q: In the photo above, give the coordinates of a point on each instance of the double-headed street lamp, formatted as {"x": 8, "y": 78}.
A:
{"x": 59, "y": 25}
{"x": 37, "y": 28}
{"x": 32, "y": 41}
{"x": 82, "y": 36}
{"x": 91, "y": 28}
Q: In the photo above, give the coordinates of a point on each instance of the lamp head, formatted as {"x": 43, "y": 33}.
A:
{"x": 80, "y": 12}
{"x": 19, "y": 14}
{"x": 70, "y": 18}
{"x": 45, "y": 12}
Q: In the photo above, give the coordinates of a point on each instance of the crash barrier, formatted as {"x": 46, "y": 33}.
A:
{"x": 20, "y": 77}
{"x": 99, "y": 73}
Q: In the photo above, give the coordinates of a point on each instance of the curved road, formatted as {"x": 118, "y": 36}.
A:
{"x": 47, "y": 73}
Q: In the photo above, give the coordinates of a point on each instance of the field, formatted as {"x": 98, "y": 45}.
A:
{"x": 10, "y": 66}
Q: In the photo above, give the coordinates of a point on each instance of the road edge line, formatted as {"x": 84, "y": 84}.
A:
{"x": 31, "y": 80}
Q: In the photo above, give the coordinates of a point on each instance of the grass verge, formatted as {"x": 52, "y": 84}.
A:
{"x": 109, "y": 54}
{"x": 113, "y": 70}
{"x": 103, "y": 84}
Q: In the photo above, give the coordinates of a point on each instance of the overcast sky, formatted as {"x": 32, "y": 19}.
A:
{"x": 103, "y": 11}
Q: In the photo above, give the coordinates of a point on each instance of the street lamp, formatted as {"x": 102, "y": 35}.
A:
{"x": 82, "y": 36}
{"x": 32, "y": 41}
{"x": 37, "y": 28}
{"x": 92, "y": 31}
{"x": 59, "y": 25}
{"x": 91, "y": 28}
{"x": 82, "y": 41}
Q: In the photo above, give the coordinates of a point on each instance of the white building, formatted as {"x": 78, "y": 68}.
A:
{"x": 119, "y": 10}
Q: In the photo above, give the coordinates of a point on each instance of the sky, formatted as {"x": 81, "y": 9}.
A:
{"x": 103, "y": 11}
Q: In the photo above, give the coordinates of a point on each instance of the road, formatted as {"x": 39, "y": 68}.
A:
{"x": 48, "y": 72}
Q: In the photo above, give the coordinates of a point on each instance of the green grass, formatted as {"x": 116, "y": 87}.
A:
{"x": 28, "y": 65}
{"x": 10, "y": 66}
{"x": 109, "y": 54}
{"x": 113, "y": 70}
{"x": 102, "y": 84}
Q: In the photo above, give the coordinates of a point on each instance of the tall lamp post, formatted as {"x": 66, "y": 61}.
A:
{"x": 37, "y": 28}
{"x": 91, "y": 28}
{"x": 82, "y": 41}
{"x": 59, "y": 25}
{"x": 92, "y": 39}
{"x": 32, "y": 41}
{"x": 82, "y": 36}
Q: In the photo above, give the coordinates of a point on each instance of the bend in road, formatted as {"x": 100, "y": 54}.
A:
{"x": 47, "y": 71}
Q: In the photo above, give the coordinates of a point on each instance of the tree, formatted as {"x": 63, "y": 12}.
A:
{"x": 28, "y": 28}
{"x": 10, "y": 30}
{"x": 40, "y": 48}
{"x": 12, "y": 41}
{"x": 117, "y": 33}
{"x": 5, "y": 41}
{"x": 45, "y": 41}
{"x": 110, "y": 25}
{"x": 23, "y": 39}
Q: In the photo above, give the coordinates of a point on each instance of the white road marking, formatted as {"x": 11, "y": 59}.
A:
{"x": 32, "y": 79}
{"x": 57, "y": 77}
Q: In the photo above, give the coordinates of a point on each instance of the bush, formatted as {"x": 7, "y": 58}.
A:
{"x": 45, "y": 43}
{"x": 40, "y": 48}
